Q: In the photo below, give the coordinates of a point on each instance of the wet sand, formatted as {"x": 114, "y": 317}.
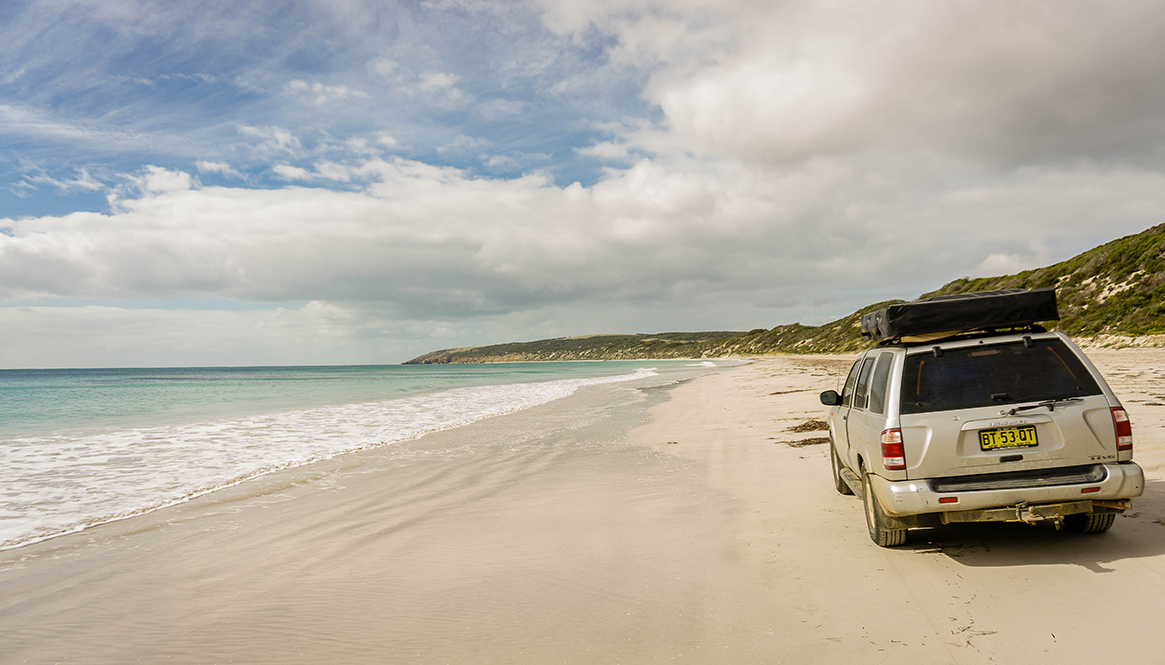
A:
{"x": 681, "y": 524}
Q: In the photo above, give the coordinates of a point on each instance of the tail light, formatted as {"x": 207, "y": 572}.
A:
{"x": 893, "y": 454}
{"x": 1124, "y": 429}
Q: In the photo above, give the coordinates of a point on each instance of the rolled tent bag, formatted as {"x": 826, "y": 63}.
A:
{"x": 943, "y": 316}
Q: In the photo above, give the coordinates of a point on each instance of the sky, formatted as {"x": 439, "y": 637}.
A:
{"x": 359, "y": 182}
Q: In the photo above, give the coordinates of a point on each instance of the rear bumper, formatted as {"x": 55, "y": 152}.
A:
{"x": 901, "y": 498}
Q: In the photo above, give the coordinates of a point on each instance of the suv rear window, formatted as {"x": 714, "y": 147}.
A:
{"x": 997, "y": 374}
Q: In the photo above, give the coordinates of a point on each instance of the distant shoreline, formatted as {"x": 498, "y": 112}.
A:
{"x": 480, "y": 355}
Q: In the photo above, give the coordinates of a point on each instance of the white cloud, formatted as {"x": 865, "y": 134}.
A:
{"x": 323, "y": 171}
{"x": 222, "y": 168}
{"x": 440, "y": 88}
{"x": 780, "y": 83}
{"x": 274, "y": 139}
{"x": 499, "y": 161}
{"x": 462, "y": 142}
{"x": 432, "y": 86}
{"x": 198, "y": 78}
{"x": 383, "y": 66}
{"x": 515, "y": 160}
{"x": 288, "y": 172}
{"x": 333, "y": 171}
{"x": 24, "y": 122}
{"x": 606, "y": 150}
{"x": 82, "y": 182}
{"x": 360, "y": 146}
{"x": 431, "y": 242}
{"x": 438, "y": 80}
{"x": 157, "y": 180}
{"x": 322, "y": 94}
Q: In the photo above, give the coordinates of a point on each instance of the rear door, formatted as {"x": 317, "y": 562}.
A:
{"x": 977, "y": 409}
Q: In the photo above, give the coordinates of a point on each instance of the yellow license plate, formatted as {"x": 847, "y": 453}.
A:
{"x": 1014, "y": 437}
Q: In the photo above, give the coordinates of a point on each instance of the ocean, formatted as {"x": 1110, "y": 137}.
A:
{"x": 81, "y": 447}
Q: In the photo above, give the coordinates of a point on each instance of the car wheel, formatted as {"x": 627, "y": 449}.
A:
{"x": 838, "y": 482}
{"x": 1089, "y": 522}
{"x": 876, "y": 518}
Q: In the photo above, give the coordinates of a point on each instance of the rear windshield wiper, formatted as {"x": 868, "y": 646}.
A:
{"x": 1051, "y": 404}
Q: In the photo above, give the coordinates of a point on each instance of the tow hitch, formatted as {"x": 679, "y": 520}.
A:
{"x": 1030, "y": 514}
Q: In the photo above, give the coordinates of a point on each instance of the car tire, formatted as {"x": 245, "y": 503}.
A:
{"x": 876, "y": 518}
{"x": 1090, "y": 522}
{"x": 838, "y": 482}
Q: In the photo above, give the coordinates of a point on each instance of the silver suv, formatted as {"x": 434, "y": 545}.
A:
{"x": 985, "y": 426}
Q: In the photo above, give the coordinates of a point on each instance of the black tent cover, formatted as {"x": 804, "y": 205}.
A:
{"x": 1007, "y": 308}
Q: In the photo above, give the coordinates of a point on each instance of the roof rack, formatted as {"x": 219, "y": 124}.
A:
{"x": 955, "y": 335}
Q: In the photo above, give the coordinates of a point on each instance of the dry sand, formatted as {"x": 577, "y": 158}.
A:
{"x": 699, "y": 531}
{"x": 990, "y": 593}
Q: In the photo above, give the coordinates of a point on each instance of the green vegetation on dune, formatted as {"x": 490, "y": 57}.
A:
{"x": 590, "y": 347}
{"x": 1115, "y": 289}
{"x": 839, "y": 336}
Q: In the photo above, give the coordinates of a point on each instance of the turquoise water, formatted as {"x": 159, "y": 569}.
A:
{"x": 43, "y": 401}
{"x": 85, "y": 446}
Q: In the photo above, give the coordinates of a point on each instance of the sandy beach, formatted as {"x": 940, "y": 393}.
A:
{"x": 992, "y": 593}
{"x": 694, "y": 523}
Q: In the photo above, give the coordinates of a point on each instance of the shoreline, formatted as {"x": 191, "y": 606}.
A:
{"x": 59, "y": 483}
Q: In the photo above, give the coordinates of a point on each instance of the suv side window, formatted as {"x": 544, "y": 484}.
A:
{"x": 847, "y": 393}
{"x": 862, "y": 392}
{"x": 880, "y": 382}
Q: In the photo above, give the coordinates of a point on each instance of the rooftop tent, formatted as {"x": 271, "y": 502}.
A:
{"x": 941, "y": 316}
